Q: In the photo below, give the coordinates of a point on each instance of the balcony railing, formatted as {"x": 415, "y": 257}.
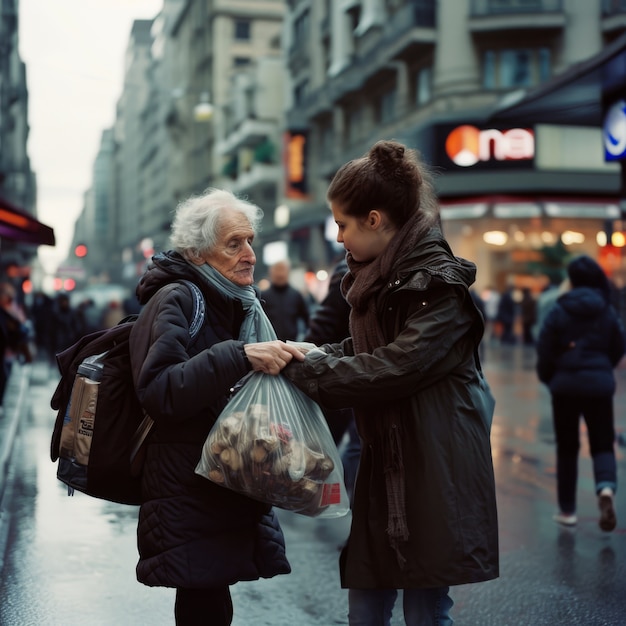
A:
{"x": 249, "y": 133}
{"x": 259, "y": 175}
{"x": 481, "y": 8}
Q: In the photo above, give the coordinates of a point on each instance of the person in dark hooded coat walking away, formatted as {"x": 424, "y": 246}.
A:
{"x": 424, "y": 511}
{"x": 580, "y": 343}
{"x": 194, "y": 535}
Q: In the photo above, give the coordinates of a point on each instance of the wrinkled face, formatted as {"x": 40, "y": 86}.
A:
{"x": 233, "y": 256}
{"x": 359, "y": 236}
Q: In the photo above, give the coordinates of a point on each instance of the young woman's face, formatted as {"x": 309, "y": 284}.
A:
{"x": 233, "y": 256}
{"x": 365, "y": 238}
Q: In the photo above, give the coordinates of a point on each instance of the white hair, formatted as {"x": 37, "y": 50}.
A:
{"x": 196, "y": 223}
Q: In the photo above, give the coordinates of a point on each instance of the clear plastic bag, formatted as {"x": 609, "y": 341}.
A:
{"x": 271, "y": 443}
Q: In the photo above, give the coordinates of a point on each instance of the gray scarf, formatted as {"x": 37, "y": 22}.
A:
{"x": 256, "y": 325}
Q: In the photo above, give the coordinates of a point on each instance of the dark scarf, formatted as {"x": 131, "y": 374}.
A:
{"x": 362, "y": 287}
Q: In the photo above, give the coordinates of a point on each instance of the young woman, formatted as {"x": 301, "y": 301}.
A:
{"x": 424, "y": 511}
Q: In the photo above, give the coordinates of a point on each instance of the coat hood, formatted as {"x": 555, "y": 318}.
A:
{"x": 434, "y": 257}
{"x": 583, "y": 271}
{"x": 165, "y": 267}
{"x": 583, "y": 302}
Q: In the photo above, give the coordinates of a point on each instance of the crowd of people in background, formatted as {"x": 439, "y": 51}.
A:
{"x": 513, "y": 315}
{"x": 53, "y": 323}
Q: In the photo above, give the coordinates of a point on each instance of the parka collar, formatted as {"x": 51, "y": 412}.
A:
{"x": 432, "y": 257}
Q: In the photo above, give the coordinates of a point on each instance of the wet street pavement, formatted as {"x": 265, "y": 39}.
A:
{"x": 70, "y": 561}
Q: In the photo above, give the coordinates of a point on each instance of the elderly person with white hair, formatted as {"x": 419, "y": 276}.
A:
{"x": 194, "y": 535}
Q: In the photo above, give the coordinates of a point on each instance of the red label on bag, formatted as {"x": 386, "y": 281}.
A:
{"x": 331, "y": 494}
{"x": 282, "y": 432}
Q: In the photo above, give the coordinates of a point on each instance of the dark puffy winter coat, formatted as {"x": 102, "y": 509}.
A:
{"x": 330, "y": 322}
{"x": 286, "y": 308}
{"x": 580, "y": 343}
{"x": 193, "y": 533}
{"x": 428, "y": 374}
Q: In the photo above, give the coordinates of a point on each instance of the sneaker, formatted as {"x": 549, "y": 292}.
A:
{"x": 565, "y": 519}
{"x": 608, "y": 519}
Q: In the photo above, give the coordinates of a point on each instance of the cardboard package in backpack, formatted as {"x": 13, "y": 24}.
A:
{"x": 101, "y": 427}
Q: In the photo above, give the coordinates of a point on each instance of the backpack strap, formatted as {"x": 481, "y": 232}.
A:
{"x": 198, "y": 314}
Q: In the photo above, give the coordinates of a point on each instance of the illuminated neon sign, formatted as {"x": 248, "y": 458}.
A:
{"x": 614, "y": 131}
{"x": 295, "y": 164}
{"x": 467, "y": 145}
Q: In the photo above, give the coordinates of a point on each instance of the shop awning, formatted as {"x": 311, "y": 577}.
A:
{"x": 19, "y": 225}
{"x": 572, "y": 97}
{"x": 530, "y": 206}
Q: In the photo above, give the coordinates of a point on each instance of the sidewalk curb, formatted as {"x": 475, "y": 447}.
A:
{"x": 15, "y": 403}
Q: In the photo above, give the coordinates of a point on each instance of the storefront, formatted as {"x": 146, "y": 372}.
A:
{"x": 589, "y": 98}
{"x": 18, "y": 225}
{"x": 521, "y": 240}
{"x": 533, "y": 176}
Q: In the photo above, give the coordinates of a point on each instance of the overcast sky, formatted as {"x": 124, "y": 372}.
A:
{"x": 74, "y": 55}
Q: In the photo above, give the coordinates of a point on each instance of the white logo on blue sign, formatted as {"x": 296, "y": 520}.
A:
{"x": 614, "y": 132}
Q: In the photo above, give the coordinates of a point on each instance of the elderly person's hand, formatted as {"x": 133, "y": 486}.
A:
{"x": 271, "y": 356}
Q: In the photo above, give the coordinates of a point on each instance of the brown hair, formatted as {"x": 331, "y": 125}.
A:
{"x": 389, "y": 177}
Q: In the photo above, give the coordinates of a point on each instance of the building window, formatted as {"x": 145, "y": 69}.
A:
{"x": 242, "y": 30}
{"x": 386, "y": 108}
{"x": 327, "y": 138}
{"x": 424, "y": 85}
{"x": 545, "y": 64}
{"x": 300, "y": 92}
{"x": 301, "y": 28}
{"x": 241, "y": 61}
{"x": 248, "y": 98}
{"x": 515, "y": 67}
{"x": 354, "y": 122}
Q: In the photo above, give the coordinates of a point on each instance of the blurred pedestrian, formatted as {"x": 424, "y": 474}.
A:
{"x": 66, "y": 327}
{"x": 284, "y": 305}
{"x": 194, "y": 535}
{"x": 13, "y": 335}
{"x": 491, "y": 301}
{"x": 113, "y": 314}
{"x": 528, "y": 314}
{"x": 90, "y": 316}
{"x": 580, "y": 344}
{"x": 41, "y": 312}
{"x": 330, "y": 324}
{"x": 131, "y": 305}
{"x": 424, "y": 510}
{"x": 546, "y": 301}
{"x": 506, "y": 315}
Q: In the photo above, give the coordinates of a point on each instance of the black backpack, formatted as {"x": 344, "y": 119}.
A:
{"x": 100, "y": 452}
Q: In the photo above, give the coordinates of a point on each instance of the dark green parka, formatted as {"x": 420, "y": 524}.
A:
{"x": 428, "y": 373}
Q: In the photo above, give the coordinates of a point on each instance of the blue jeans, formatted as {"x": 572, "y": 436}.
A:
{"x": 422, "y": 607}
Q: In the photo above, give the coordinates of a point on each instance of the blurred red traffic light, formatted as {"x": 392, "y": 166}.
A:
{"x": 80, "y": 250}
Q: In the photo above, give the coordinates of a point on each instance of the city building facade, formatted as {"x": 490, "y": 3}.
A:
{"x": 18, "y": 190}
{"x": 270, "y": 98}
{"x": 430, "y": 73}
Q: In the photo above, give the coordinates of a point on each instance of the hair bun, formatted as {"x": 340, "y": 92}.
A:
{"x": 387, "y": 156}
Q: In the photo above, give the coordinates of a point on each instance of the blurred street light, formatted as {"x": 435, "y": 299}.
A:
{"x": 203, "y": 111}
